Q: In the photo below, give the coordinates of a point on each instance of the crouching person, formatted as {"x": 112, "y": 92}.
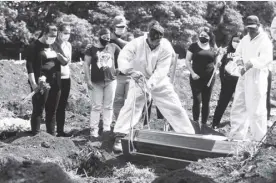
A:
{"x": 102, "y": 80}
{"x": 149, "y": 56}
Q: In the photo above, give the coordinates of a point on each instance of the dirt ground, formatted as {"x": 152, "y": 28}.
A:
{"x": 44, "y": 158}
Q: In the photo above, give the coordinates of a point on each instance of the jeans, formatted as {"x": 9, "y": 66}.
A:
{"x": 102, "y": 96}
{"x": 121, "y": 93}
{"x": 49, "y": 100}
{"x": 65, "y": 90}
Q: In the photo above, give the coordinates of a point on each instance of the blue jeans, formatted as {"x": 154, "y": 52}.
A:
{"x": 102, "y": 97}
{"x": 121, "y": 93}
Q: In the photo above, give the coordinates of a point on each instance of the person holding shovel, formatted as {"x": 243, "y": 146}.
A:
{"x": 42, "y": 63}
{"x": 203, "y": 55}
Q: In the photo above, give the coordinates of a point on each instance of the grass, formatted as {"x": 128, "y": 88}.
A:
{"x": 131, "y": 173}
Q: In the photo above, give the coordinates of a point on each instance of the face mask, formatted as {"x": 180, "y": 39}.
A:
{"x": 103, "y": 42}
{"x": 203, "y": 40}
{"x": 155, "y": 35}
{"x": 50, "y": 40}
{"x": 119, "y": 31}
{"x": 65, "y": 37}
{"x": 235, "y": 45}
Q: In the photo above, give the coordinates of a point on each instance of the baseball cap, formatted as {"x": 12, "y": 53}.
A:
{"x": 252, "y": 21}
{"x": 156, "y": 26}
{"x": 119, "y": 21}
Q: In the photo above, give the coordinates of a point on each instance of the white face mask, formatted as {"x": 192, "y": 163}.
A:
{"x": 120, "y": 31}
{"x": 65, "y": 37}
{"x": 50, "y": 40}
{"x": 235, "y": 45}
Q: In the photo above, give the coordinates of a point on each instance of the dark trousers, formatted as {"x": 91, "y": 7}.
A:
{"x": 201, "y": 94}
{"x": 268, "y": 104}
{"x": 228, "y": 86}
{"x": 48, "y": 101}
{"x": 65, "y": 90}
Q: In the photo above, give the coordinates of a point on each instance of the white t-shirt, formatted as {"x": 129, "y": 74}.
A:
{"x": 65, "y": 70}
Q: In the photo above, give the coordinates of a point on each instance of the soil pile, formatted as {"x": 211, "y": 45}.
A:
{"x": 25, "y": 158}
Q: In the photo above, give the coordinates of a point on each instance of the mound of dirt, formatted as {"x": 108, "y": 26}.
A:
{"x": 32, "y": 172}
{"x": 14, "y": 88}
{"x": 42, "y": 147}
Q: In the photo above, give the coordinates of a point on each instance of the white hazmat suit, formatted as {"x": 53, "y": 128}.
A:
{"x": 249, "y": 106}
{"x": 155, "y": 65}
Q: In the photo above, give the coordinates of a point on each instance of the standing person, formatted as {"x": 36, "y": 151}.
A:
{"x": 203, "y": 56}
{"x": 64, "y": 53}
{"x": 268, "y": 103}
{"x": 102, "y": 58}
{"x": 228, "y": 81}
{"x": 149, "y": 56}
{"x": 119, "y": 27}
{"x": 42, "y": 61}
{"x": 249, "y": 106}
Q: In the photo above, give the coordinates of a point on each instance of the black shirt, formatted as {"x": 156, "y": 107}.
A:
{"x": 203, "y": 60}
{"x": 41, "y": 63}
{"x": 103, "y": 61}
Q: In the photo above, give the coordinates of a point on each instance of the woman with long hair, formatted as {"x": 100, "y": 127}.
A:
{"x": 64, "y": 52}
{"x": 228, "y": 81}
{"x": 203, "y": 54}
{"x": 101, "y": 79}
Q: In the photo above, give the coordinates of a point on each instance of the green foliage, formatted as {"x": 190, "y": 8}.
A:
{"x": 225, "y": 20}
{"x": 20, "y": 21}
{"x": 265, "y": 10}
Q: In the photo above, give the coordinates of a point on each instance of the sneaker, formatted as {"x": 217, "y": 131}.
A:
{"x": 117, "y": 147}
{"x": 94, "y": 133}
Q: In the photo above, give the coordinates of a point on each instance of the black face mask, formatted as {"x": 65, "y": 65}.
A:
{"x": 118, "y": 36}
{"x": 103, "y": 42}
{"x": 154, "y": 35}
{"x": 203, "y": 39}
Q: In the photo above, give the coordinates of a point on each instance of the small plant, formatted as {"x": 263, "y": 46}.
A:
{"x": 133, "y": 174}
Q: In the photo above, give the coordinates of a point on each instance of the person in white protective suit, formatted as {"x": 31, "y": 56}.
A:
{"x": 150, "y": 56}
{"x": 249, "y": 106}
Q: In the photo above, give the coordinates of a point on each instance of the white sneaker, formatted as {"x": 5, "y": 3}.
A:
{"x": 94, "y": 132}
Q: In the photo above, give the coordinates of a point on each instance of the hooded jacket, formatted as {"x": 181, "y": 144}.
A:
{"x": 138, "y": 56}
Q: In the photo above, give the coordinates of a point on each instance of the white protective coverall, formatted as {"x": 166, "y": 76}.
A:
{"x": 273, "y": 28}
{"x": 155, "y": 65}
{"x": 249, "y": 106}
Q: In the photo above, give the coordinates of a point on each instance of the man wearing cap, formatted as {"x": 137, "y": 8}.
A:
{"x": 118, "y": 28}
{"x": 149, "y": 56}
{"x": 249, "y": 106}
